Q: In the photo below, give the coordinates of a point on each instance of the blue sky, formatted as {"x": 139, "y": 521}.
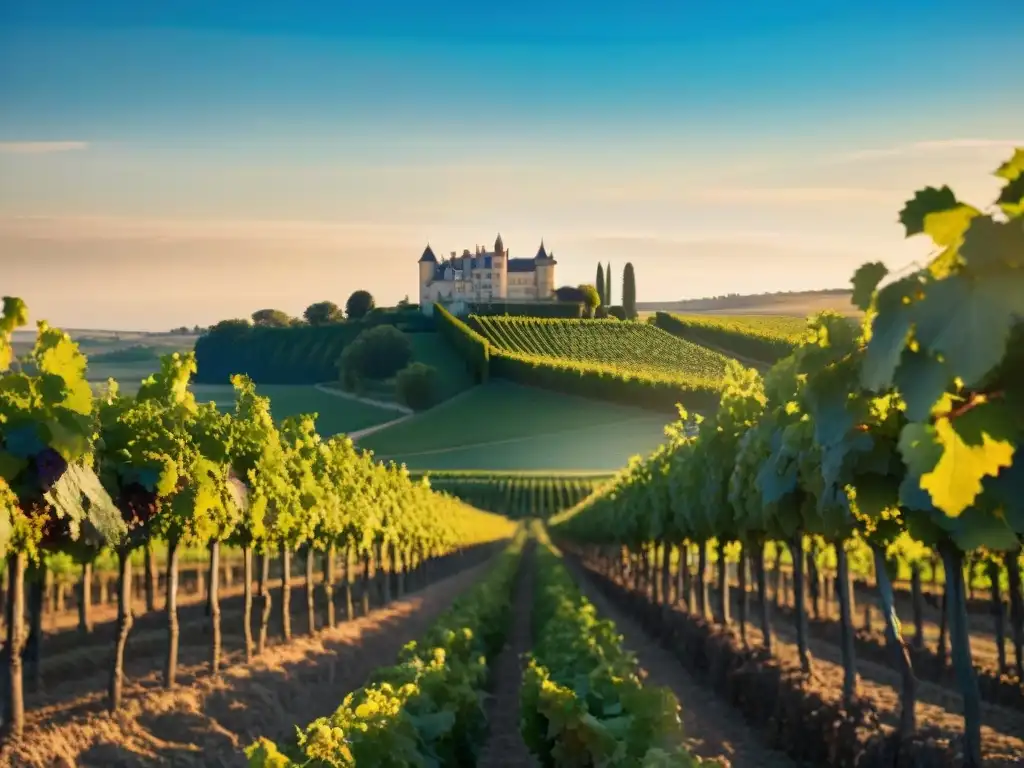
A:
{"x": 240, "y": 155}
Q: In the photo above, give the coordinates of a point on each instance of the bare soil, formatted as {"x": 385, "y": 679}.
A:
{"x": 939, "y": 709}
{"x": 505, "y": 747}
{"x": 206, "y": 721}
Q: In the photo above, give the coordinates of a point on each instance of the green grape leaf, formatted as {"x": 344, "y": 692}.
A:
{"x": 913, "y": 496}
{"x": 968, "y": 321}
{"x": 973, "y": 445}
{"x": 920, "y": 447}
{"x": 875, "y": 494}
{"x": 947, "y": 228}
{"x": 977, "y": 528}
{"x": 13, "y": 316}
{"x": 11, "y": 466}
{"x": 889, "y": 332}
{"x": 990, "y": 243}
{"x": 1011, "y": 197}
{"x": 926, "y": 201}
{"x": 1007, "y": 494}
{"x": 865, "y": 281}
{"x": 923, "y": 525}
{"x": 1014, "y": 167}
{"x": 921, "y": 381}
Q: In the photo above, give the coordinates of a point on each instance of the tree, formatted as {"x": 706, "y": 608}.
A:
{"x": 377, "y": 353}
{"x": 359, "y": 305}
{"x": 599, "y": 283}
{"x": 322, "y": 313}
{"x": 629, "y": 291}
{"x": 608, "y": 285}
{"x": 416, "y": 386}
{"x": 235, "y": 327}
{"x": 591, "y": 298}
{"x": 271, "y": 318}
{"x": 570, "y": 293}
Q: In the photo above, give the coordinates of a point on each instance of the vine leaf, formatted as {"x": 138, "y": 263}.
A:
{"x": 1014, "y": 167}
{"x": 953, "y": 456}
{"x": 865, "y": 281}
{"x": 947, "y": 228}
{"x": 889, "y": 331}
{"x": 968, "y": 321}
{"x": 921, "y": 380}
{"x": 991, "y": 243}
{"x": 926, "y": 201}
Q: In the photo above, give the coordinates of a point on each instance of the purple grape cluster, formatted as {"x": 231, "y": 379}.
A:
{"x": 137, "y": 504}
{"x": 50, "y": 467}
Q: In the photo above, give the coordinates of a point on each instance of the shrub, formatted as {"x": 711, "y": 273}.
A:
{"x": 617, "y": 312}
{"x": 416, "y": 386}
{"x": 377, "y": 353}
{"x": 601, "y": 312}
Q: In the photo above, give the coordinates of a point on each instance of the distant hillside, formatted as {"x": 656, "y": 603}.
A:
{"x": 795, "y": 303}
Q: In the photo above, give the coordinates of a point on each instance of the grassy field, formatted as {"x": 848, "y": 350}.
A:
{"x": 505, "y": 427}
{"x": 797, "y": 304}
{"x": 637, "y": 348}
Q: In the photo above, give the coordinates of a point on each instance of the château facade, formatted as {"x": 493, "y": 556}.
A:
{"x": 484, "y": 276}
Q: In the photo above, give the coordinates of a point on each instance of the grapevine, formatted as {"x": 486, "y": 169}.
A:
{"x": 901, "y": 434}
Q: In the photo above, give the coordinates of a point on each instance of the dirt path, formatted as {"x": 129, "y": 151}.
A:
{"x": 505, "y": 747}
{"x": 713, "y": 729}
{"x": 207, "y": 722}
{"x": 364, "y": 400}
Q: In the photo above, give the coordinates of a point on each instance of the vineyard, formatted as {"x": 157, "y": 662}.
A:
{"x": 631, "y": 347}
{"x": 519, "y": 496}
{"x": 898, "y": 436}
{"x": 764, "y": 338}
{"x": 824, "y": 571}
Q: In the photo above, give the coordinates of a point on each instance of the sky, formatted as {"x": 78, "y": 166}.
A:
{"x": 166, "y": 164}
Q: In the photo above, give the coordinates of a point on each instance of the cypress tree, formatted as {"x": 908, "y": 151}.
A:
{"x": 629, "y": 291}
{"x": 599, "y": 283}
{"x": 608, "y": 285}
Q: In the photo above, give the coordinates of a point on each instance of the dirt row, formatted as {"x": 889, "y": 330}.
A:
{"x": 207, "y": 721}
{"x": 505, "y": 747}
{"x": 939, "y": 709}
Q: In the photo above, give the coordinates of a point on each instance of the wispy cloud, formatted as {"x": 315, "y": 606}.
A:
{"x": 930, "y": 147}
{"x": 41, "y": 147}
{"x": 797, "y": 195}
{"x": 69, "y": 228}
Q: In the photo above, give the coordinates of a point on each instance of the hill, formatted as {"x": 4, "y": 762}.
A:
{"x": 632, "y": 346}
{"x": 792, "y": 303}
{"x": 501, "y": 426}
{"x": 750, "y": 338}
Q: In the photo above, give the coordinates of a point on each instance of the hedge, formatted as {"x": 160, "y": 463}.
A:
{"x": 473, "y": 347}
{"x": 305, "y": 354}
